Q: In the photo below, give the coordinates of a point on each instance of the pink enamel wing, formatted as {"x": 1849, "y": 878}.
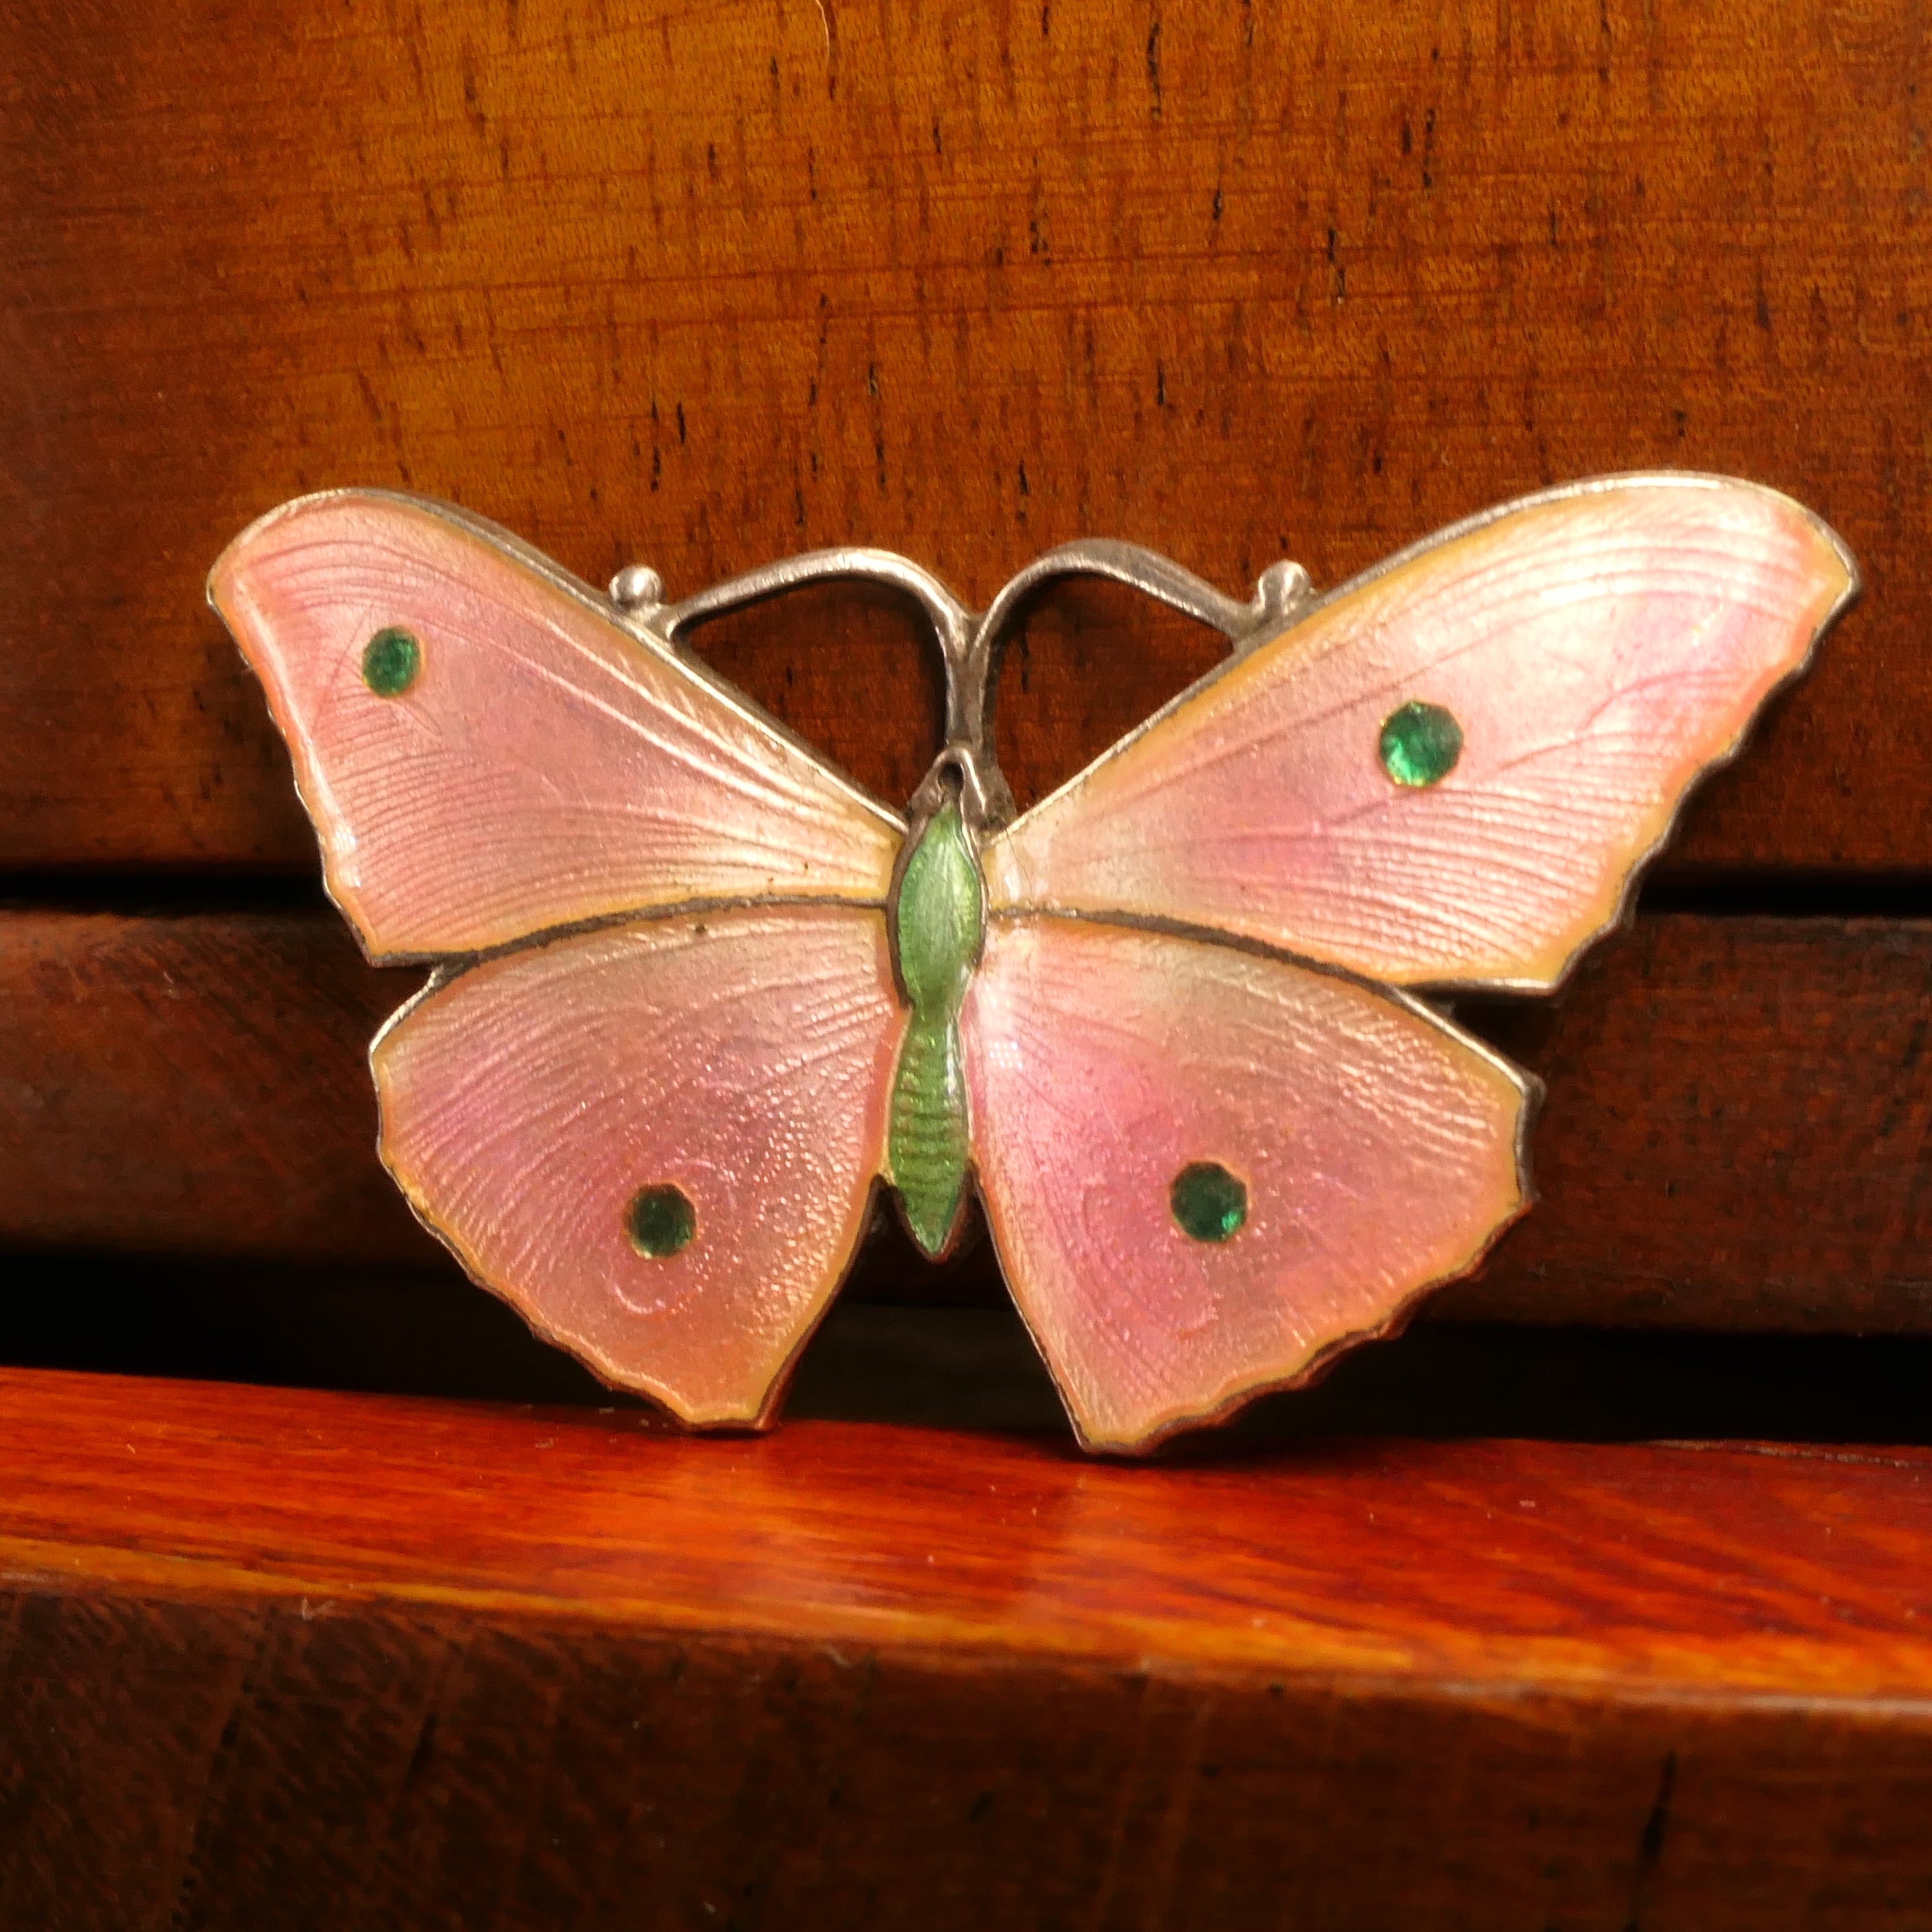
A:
{"x": 696, "y": 996}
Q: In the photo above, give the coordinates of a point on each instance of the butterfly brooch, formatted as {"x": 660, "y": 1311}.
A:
{"x": 696, "y": 995}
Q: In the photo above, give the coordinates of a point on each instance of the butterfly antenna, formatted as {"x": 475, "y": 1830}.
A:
{"x": 970, "y": 645}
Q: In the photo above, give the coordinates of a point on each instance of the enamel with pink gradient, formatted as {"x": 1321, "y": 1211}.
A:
{"x": 547, "y": 767}
{"x": 1598, "y": 650}
{"x": 744, "y": 1058}
{"x": 1379, "y": 1145}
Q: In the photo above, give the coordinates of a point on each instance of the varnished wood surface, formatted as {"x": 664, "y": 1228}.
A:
{"x": 1732, "y": 1137}
{"x": 704, "y": 288}
{"x": 1624, "y": 1568}
{"x": 307, "y": 1660}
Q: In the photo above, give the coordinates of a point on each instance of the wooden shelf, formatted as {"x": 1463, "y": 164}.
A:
{"x": 371, "y": 1658}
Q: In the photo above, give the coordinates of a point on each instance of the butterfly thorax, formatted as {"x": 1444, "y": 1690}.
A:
{"x": 938, "y": 925}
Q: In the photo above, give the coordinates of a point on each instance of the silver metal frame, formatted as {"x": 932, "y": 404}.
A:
{"x": 970, "y": 644}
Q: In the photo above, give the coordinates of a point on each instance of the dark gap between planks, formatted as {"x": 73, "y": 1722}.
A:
{"x": 163, "y": 893}
{"x": 402, "y": 1333}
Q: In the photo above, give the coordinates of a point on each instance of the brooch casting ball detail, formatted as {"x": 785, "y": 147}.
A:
{"x": 696, "y": 995}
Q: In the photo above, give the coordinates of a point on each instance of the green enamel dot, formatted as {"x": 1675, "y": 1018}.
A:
{"x": 391, "y": 660}
{"x": 1420, "y": 744}
{"x": 1209, "y": 1203}
{"x": 660, "y": 1221}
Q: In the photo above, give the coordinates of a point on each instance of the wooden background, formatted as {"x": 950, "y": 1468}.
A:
{"x": 700, "y": 287}
{"x": 703, "y": 287}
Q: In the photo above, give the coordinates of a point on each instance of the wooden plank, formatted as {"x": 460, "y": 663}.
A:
{"x": 195, "y": 1083}
{"x": 1733, "y": 1137}
{"x": 708, "y": 286}
{"x": 306, "y": 1660}
{"x": 1735, "y": 1134}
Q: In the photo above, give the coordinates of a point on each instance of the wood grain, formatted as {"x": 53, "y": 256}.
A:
{"x": 1736, "y": 1131}
{"x": 197, "y": 1083}
{"x": 1733, "y": 1137}
{"x": 308, "y": 1659}
{"x": 705, "y": 287}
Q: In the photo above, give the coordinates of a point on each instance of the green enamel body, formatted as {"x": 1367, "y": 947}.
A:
{"x": 938, "y": 924}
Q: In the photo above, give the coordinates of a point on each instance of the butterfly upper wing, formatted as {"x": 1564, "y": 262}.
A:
{"x": 543, "y": 766}
{"x": 1378, "y": 1147}
{"x": 1596, "y": 649}
{"x": 742, "y": 1057}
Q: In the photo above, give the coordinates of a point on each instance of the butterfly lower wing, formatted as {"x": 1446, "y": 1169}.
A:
{"x": 486, "y": 753}
{"x": 1448, "y": 771}
{"x": 657, "y": 1140}
{"x": 1336, "y": 1149}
